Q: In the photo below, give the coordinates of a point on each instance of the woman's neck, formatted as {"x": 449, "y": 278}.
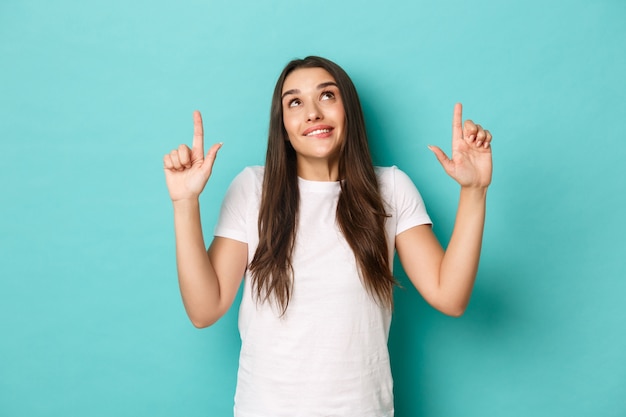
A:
{"x": 318, "y": 170}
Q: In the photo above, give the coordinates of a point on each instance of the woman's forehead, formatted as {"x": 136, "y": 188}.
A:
{"x": 306, "y": 77}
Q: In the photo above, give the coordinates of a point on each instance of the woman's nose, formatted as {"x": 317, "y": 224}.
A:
{"x": 313, "y": 112}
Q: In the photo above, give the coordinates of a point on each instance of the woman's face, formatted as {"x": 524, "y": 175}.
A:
{"x": 314, "y": 119}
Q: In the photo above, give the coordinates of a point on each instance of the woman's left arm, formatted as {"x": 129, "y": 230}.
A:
{"x": 445, "y": 279}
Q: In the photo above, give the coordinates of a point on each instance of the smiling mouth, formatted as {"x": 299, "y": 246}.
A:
{"x": 318, "y": 132}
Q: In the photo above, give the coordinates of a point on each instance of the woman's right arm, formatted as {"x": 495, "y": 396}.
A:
{"x": 208, "y": 280}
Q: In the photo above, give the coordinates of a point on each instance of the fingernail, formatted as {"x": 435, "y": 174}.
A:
{"x": 479, "y": 143}
{"x": 472, "y": 137}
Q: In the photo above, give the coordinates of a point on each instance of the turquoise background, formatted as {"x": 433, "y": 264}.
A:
{"x": 93, "y": 93}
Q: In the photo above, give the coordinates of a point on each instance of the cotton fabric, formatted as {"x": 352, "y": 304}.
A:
{"x": 327, "y": 356}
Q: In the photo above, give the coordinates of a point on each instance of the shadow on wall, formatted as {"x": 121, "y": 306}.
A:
{"x": 424, "y": 345}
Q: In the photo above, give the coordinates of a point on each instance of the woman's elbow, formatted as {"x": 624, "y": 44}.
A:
{"x": 451, "y": 310}
{"x": 454, "y": 312}
{"x": 201, "y": 321}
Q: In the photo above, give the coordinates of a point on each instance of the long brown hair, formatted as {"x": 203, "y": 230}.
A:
{"x": 360, "y": 210}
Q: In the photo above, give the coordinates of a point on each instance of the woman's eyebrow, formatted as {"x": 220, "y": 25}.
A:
{"x": 327, "y": 84}
{"x": 292, "y": 91}
{"x": 319, "y": 87}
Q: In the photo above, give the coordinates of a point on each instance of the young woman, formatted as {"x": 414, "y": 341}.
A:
{"x": 313, "y": 232}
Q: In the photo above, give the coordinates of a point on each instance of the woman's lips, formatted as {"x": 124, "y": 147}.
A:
{"x": 320, "y": 131}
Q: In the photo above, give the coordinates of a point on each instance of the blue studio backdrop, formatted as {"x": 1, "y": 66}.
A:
{"x": 94, "y": 93}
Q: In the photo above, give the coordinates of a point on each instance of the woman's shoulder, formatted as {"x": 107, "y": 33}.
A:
{"x": 247, "y": 182}
{"x": 389, "y": 175}
{"x": 394, "y": 183}
{"x": 251, "y": 174}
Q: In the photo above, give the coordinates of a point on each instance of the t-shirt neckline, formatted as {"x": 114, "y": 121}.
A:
{"x": 318, "y": 186}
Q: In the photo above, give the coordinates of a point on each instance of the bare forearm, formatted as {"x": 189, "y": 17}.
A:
{"x": 198, "y": 281}
{"x": 460, "y": 262}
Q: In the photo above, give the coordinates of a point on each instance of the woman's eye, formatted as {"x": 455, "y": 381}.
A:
{"x": 327, "y": 95}
{"x": 294, "y": 103}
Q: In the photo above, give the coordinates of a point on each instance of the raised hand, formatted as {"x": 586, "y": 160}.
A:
{"x": 188, "y": 170}
{"x": 470, "y": 164}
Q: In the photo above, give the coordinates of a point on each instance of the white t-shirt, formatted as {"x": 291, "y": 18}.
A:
{"x": 327, "y": 356}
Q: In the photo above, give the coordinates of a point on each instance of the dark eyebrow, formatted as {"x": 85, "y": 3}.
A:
{"x": 292, "y": 91}
{"x": 327, "y": 84}
{"x": 319, "y": 87}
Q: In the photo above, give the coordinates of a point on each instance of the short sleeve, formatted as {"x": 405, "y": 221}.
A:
{"x": 242, "y": 194}
{"x": 410, "y": 209}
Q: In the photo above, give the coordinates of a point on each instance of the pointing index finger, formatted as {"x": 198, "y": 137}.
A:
{"x": 457, "y": 126}
{"x": 198, "y": 133}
